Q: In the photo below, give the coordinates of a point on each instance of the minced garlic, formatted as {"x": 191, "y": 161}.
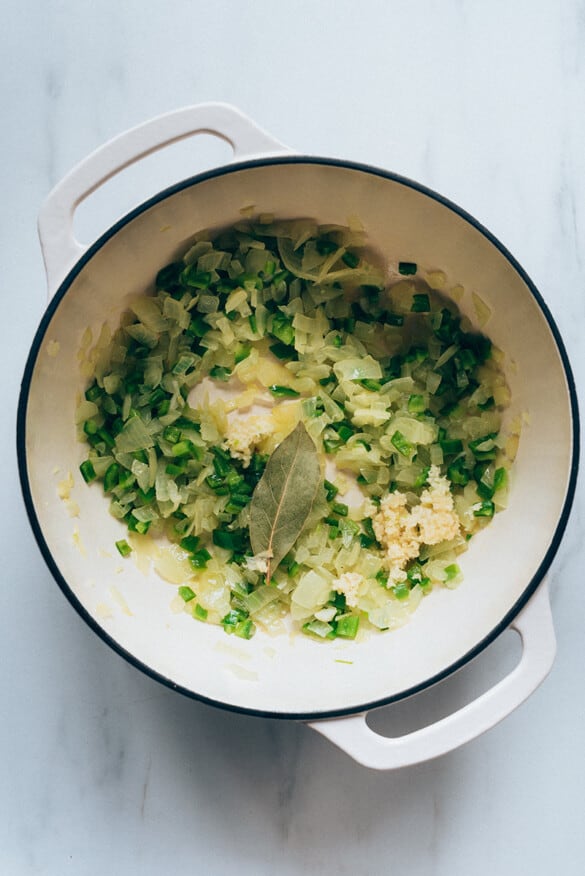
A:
{"x": 402, "y": 532}
{"x": 349, "y": 584}
{"x": 244, "y": 434}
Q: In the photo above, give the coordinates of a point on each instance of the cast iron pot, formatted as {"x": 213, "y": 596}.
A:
{"x": 295, "y": 677}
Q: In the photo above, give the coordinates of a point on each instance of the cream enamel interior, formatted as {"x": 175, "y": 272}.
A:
{"x": 295, "y": 675}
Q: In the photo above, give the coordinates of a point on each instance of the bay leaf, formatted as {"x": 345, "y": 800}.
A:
{"x": 284, "y": 496}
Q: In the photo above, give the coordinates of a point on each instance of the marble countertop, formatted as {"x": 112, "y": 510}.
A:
{"x": 103, "y": 770}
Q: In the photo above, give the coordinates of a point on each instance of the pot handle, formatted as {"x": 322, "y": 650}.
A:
{"x": 352, "y": 735}
{"x": 60, "y": 248}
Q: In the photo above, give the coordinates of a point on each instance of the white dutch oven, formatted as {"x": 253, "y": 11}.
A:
{"x": 332, "y": 686}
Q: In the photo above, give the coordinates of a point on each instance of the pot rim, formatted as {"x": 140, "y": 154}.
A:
{"x": 22, "y": 455}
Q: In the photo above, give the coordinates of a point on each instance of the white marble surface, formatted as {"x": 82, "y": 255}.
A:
{"x": 103, "y": 770}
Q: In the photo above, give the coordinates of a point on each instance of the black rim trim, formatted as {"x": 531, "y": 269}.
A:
{"x": 90, "y": 620}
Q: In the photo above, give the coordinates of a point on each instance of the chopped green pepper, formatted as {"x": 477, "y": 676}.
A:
{"x": 283, "y": 391}
{"x": 123, "y": 547}
{"x": 87, "y": 471}
{"x": 186, "y": 593}
{"x": 402, "y": 444}
{"x": 407, "y": 268}
{"x": 420, "y": 303}
{"x": 347, "y": 625}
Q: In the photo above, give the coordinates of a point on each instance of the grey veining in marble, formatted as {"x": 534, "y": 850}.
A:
{"x": 102, "y": 770}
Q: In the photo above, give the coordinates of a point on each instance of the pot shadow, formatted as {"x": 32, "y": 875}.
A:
{"x": 455, "y": 692}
